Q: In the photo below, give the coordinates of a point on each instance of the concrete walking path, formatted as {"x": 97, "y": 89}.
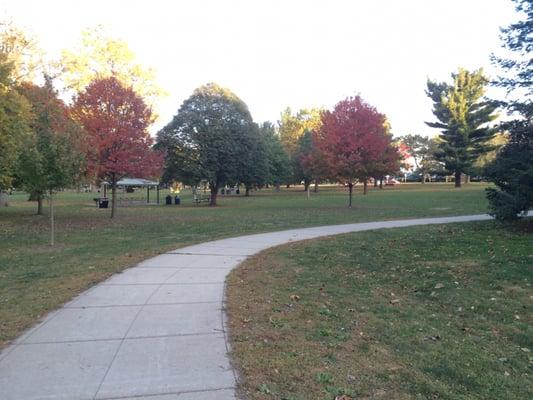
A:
{"x": 155, "y": 331}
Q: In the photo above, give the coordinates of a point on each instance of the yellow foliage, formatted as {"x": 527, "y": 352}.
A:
{"x": 100, "y": 56}
{"x": 293, "y": 126}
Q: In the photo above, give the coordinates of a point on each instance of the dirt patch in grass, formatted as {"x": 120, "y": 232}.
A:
{"x": 357, "y": 317}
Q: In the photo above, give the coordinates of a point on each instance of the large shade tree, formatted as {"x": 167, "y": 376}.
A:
{"x": 354, "y": 140}
{"x": 210, "y": 139}
{"x": 512, "y": 170}
{"x": 116, "y": 120}
{"x": 463, "y": 117}
{"x": 15, "y": 114}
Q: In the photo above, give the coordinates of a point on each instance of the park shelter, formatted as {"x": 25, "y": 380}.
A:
{"x": 126, "y": 183}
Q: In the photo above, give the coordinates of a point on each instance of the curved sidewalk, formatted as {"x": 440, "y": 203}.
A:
{"x": 155, "y": 331}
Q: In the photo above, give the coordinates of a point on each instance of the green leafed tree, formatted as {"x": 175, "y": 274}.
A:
{"x": 291, "y": 127}
{"x": 15, "y": 115}
{"x": 208, "y": 139}
{"x": 52, "y": 157}
{"x": 512, "y": 169}
{"x": 254, "y": 169}
{"x": 309, "y": 162}
{"x": 279, "y": 165}
{"x": 463, "y": 118}
{"x": 422, "y": 149}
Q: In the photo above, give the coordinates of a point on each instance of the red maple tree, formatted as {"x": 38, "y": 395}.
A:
{"x": 354, "y": 141}
{"x": 116, "y": 120}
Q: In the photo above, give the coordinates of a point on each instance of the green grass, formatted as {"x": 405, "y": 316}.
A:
{"x": 430, "y": 312}
{"x": 35, "y": 278}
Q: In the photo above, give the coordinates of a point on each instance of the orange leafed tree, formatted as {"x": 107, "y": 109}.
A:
{"x": 116, "y": 120}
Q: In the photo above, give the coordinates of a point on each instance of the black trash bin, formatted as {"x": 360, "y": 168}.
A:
{"x": 103, "y": 202}
{"x": 177, "y": 200}
{"x": 168, "y": 200}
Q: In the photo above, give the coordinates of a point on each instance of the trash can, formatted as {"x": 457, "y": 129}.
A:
{"x": 103, "y": 202}
{"x": 168, "y": 200}
{"x": 177, "y": 200}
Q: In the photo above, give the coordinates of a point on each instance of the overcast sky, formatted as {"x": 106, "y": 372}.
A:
{"x": 278, "y": 54}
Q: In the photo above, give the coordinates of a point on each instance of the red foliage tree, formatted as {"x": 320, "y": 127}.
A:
{"x": 116, "y": 120}
{"x": 389, "y": 162}
{"x": 354, "y": 141}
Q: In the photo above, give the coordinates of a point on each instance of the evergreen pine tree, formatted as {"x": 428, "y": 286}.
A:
{"x": 463, "y": 116}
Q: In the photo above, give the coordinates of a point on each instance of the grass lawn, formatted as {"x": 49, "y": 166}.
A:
{"x": 35, "y": 278}
{"x": 434, "y": 312}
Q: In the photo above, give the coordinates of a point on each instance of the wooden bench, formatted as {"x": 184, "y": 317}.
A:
{"x": 200, "y": 198}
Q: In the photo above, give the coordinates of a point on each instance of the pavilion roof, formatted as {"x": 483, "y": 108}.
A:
{"x": 136, "y": 182}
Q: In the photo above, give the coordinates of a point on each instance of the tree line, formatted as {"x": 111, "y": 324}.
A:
{"x": 213, "y": 138}
{"x": 94, "y": 128}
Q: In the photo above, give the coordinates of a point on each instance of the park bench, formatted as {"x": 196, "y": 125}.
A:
{"x": 200, "y": 198}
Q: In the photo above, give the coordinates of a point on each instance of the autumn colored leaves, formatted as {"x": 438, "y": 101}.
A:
{"x": 116, "y": 121}
{"x": 355, "y": 143}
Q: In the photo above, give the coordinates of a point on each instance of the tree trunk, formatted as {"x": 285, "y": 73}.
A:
{"x": 34, "y": 196}
{"x": 247, "y": 192}
{"x": 214, "y": 192}
{"x": 467, "y": 179}
{"x": 307, "y": 183}
{"x": 365, "y": 187}
{"x": 457, "y": 179}
{"x": 113, "y": 195}
{"x": 423, "y": 179}
{"x": 381, "y": 183}
{"x": 316, "y": 186}
{"x": 308, "y": 191}
{"x": 375, "y": 182}
{"x": 39, "y": 204}
{"x": 277, "y": 188}
{"x": 52, "y": 227}
{"x": 4, "y": 196}
{"x": 350, "y": 191}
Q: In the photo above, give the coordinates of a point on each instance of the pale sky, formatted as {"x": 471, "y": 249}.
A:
{"x": 277, "y": 54}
